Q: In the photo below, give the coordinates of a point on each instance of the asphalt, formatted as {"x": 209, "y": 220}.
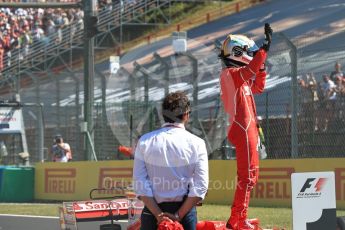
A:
{"x": 21, "y": 222}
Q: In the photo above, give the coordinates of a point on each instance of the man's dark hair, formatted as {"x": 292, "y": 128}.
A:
{"x": 174, "y": 106}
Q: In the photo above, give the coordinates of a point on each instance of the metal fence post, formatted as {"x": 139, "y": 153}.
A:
{"x": 40, "y": 123}
{"x": 267, "y": 124}
{"x": 166, "y": 72}
{"x": 103, "y": 111}
{"x": 132, "y": 85}
{"x": 89, "y": 8}
{"x": 195, "y": 115}
{"x": 294, "y": 96}
{"x": 57, "y": 79}
{"x": 146, "y": 74}
{"x": 39, "y": 119}
{"x": 77, "y": 113}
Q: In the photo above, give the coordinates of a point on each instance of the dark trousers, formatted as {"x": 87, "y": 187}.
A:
{"x": 149, "y": 222}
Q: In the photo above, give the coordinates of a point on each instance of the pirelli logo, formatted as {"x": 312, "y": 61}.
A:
{"x": 274, "y": 183}
{"x": 114, "y": 178}
{"x": 61, "y": 181}
{"x": 340, "y": 183}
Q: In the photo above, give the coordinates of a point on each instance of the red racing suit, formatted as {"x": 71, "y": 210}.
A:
{"x": 237, "y": 87}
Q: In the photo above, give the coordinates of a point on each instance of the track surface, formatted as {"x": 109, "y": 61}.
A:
{"x": 20, "y": 222}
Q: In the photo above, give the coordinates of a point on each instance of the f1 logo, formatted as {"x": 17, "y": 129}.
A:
{"x": 307, "y": 184}
{"x": 318, "y": 186}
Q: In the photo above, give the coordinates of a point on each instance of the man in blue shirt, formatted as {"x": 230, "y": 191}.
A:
{"x": 170, "y": 173}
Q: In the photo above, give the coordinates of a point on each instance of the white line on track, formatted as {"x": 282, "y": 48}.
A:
{"x": 30, "y": 216}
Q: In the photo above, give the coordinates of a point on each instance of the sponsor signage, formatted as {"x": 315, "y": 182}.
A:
{"x": 101, "y": 205}
{"x": 75, "y": 180}
{"x": 101, "y": 210}
{"x": 313, "y": 200}
{"x": 110, "y": 177}
{"x": 274, "y": 183}
{"x": 11, "y": 119}
{"x": 62, "y": 181}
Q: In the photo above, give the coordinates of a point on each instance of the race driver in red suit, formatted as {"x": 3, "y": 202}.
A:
{"x": 242, "y": 76}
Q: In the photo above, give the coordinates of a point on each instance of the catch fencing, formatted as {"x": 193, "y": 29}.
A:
{"x": 128, "y": 104}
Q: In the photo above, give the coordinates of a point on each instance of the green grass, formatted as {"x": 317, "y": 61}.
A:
{"x": 29, "y": 209}
{"x": 269, "y": 216}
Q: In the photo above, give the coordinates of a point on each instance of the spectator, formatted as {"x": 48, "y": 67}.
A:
{"x": 79, "y": 15}
{"x": 2, "y": 50}
{"x": 7, "y": 42}
{"x": 309, "y": 87}
{"x": 339, "y": 88}
{"x": 23, "y": 27}
{"x": 51, "y": 30}
{"x": 309, "y": 99}
{"x": 37, "y": 34}
{"x": 25, "y": 41}
{"x": 328, "y": 94}
{"x": 63, "y": 25}
{"x": 340, "y": 93}
{"x": 327, "y": 88}
{"x": 61, "y": 151}
{"x": 26, "y": 26}
{"x": 337, "y": 72}
{"x": 170, "y": 173}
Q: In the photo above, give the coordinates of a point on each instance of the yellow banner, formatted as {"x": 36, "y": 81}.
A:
{"x": 274, "y": 185}
{"x": 74, "y": 180}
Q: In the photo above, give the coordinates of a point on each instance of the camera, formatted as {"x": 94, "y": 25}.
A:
{"x": 58, "y": 140}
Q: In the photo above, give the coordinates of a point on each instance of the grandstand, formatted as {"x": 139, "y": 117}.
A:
{"x": 126, "y": 102}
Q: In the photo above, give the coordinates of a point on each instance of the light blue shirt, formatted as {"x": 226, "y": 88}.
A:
{"x": 170, "y": 163}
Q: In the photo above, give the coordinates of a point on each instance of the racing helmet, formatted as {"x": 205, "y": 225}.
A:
{"x": 238, "y": 50}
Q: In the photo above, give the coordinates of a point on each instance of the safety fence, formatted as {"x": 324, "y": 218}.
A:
{"x": 128, "y": 104}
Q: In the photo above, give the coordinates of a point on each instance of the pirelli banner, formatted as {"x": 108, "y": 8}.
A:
{"x": 274, "y": 185}
{"x": 74, "y": 180}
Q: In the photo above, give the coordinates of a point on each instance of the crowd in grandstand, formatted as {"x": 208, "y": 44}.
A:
{"x": 324, "y": 100}
{"x": 21, "y": 29}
